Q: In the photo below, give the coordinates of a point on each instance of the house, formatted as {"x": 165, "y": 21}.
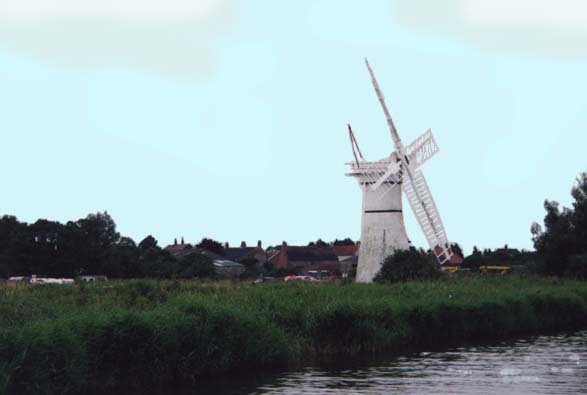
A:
{"x": 507, "y": 253}
{"x": 235, "y": 254}
{"x": 244, "y": 253}
{"x": 305, "y": 259}
{"x": 179, "y": 250}
{"x": 228, "y": 269}
{"x": 455, "y": 259}
{"x": 348, "y": 257}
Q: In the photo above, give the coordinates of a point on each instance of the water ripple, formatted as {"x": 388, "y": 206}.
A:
{"x": 542, "y": 365}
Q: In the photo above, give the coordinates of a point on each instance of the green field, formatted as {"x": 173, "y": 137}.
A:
{"x": 72, "y": 339}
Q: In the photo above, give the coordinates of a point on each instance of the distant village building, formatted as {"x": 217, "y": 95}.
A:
{"x": 348, "y": 257}
{"x": 228, "y": 264}
{"x": 179, "y": 250}
{"x": 244, "y": 253}
{"x": 506, "y": 252}
{"x": 455, "y": 259}
{"x": 305, "y": 259}
{"x": 236, "y": 254}
{"x": 228, "y": 269}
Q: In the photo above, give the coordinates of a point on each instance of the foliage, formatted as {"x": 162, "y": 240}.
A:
{"x": 565, "y": 233}
{"x": 456, "y": 249}
{"x": 60, "y": 339}
{"x": 318, "y": 243}
{"x": 267, "y": 267}
{"x": 408, "y": 265}
{"x": 282, "y": 272}
{"x": 195, "y": 265}
{"x": 578, "y": 267}
{"x": 89, "y": 245}
{"x": 147, "y": 243}
{"x": 251, "y": 268}
{"x": 344, "y": 242}
{"x": 501, "y": 256}
{"x": 211, "y": 245}
{"x": 474, "y": 261}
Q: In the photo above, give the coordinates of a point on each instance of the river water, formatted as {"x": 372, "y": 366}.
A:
{"x": 539, "y": 365}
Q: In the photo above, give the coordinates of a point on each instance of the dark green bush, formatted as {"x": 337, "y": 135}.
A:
{"x": 577, "y": 267}
{"x": 408, "y": 265}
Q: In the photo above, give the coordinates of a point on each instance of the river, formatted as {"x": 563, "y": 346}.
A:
{"x": 554, "y": 364}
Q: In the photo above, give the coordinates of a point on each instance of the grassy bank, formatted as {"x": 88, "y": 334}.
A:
{"x": 78, "y": 338}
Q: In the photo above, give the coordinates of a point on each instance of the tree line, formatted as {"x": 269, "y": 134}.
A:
{"x": 90, "y": 245}
{"x": 562, "y": 244}
{"x": 561, "y": 247}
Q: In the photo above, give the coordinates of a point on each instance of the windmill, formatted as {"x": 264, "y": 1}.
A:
{"x": 382, "y": 225}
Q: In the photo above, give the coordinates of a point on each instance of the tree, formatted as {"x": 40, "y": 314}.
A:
{"x": 154, "y": 261}
{"x": 91, "y": 241}
{"x": 148, "y": 242}
{"x": 267, "y": 267}
{"x": 475, "y": 260}
{"x": 100, "y": 228}
{"x": 318, "y": 243}
{"x": 408, "y": 265}
{"x": 345, "y": 242}
{"x": 456, "y": 249}
{"x": 211, "y": 245}
{"x": 124, "y": 260}
{"x": 565, "y": 232}
{"x": 577, "y": 267}
{"x": 251, "y": 268}
{"x": 4, "y": 269}
{"x": 90, "y": 245}
{"x": 195, "y": 265}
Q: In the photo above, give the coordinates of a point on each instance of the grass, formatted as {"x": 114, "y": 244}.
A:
{"x": 74, "y": 339}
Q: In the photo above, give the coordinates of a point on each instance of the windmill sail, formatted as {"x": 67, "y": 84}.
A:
{"x": 416, "y": 188}
{"x": 423, "y": 206}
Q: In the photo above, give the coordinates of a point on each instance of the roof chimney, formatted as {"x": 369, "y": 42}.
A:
{"x": 243, "y": 244}
{"x": 182, "y": 242}
{"x": 175, "y": 241}
{"x": 259, "y": 244}
{"x": 226, "y": 245}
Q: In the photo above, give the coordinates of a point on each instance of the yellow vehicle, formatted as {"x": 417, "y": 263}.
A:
{"x": 496, "y": 269}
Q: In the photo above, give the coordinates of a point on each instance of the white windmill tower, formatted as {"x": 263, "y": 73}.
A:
{"x": 382, "y": 224}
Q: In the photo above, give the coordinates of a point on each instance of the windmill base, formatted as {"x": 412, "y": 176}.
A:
{"x": 381, "y": 235}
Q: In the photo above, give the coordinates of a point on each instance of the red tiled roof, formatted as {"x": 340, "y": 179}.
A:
{"x": 349, "y": 250}
{"x": 180, "y": 250}
{"x": 455, "y": 259}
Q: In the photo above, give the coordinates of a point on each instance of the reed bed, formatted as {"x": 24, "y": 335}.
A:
{"x": 147, "y": 334}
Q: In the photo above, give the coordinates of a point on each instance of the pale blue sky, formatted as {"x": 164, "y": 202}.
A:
{"x": 229, "y": 120}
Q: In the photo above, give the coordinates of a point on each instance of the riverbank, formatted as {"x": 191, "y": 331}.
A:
{"x": 146, "y": 334}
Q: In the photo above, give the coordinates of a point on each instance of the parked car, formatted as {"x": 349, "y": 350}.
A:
{"x": 300, "y": 278}
{"x": 45, "y": 281}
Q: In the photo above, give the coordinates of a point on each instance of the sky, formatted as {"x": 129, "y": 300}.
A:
{"x": 227, "y": 119}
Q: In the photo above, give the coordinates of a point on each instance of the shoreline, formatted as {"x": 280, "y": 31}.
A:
{"x": 162, "y": 334}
